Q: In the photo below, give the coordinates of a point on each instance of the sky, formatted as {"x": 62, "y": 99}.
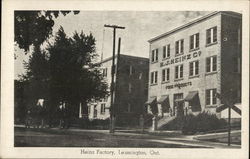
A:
{"x": 140, "y": 26}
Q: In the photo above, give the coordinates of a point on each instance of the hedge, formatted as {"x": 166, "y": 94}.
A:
{"x": 191, "y": 124}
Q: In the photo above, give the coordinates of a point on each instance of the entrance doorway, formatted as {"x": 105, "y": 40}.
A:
{"x": 178, "y": 109}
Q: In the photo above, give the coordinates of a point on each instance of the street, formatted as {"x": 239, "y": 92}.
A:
{"x": 101, "y": 138}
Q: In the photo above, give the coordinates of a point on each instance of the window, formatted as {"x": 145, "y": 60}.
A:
{"x": 179, "y": 47}
{"x": 212, "y": 35}
{"x": 236, "y": 65}
{"x": 194, "y": 41}
{"x": 211, "y": 97}
{"x": 89, "y": 109}
{"x": 165, "y": 75}
{"x": 95, "y": 111}
{"x": 129, "y": 87}
{"x": 103, "y": 108}
{"x": 179, "y": 72}
{"x": 129, "y": 108}
{"x": 166, "y": 51}
{"x": 105, "y": 72}
{"x": 105, "y": 99}
{"x": 178, "y": 96}
{"x": 131, "y": 70}
{"x": 154, "y": 57}
{"x": 239, "y": 36}
{"x": 154, "y": 76}
{"x": 140, "y": 75}
{"x": 193, "y": 68}
{"x": 211, "y": 64}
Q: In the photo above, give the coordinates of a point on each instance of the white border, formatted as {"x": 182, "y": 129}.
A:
{"x": 7, "y": 74}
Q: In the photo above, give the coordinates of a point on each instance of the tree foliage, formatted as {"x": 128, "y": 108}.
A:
{"x": 34, "y": 27}
{"x": 37, "y": 75}
{"x": 72, "y": 69}
{"x": 66, "y": 72}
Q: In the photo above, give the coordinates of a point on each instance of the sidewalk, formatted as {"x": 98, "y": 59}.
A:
{"x": 176, "y": 137}
{"x": 234, "y": 133}
{"x": 190, "y": 140}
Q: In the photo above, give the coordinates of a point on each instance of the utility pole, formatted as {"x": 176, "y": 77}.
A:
{"x": 116, "y": 93}
{"x": 229, "y": 126}
{"x": 112, "y": 117}
{"x": 229, "y": 104}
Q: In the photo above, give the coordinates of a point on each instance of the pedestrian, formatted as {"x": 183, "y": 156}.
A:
{"x": 28, "y": 119}
{"x": 61, "y": 114}
{"x": 37, "y": 114}
{"x": 42, "y": 116}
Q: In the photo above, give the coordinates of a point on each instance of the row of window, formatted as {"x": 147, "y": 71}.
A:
{"x": 211, "y": 98}
{"x": 211, "y": 66}
{"x": 130, "y": 71}
{"x": 103, "y": 109}
{"x": 105, "y": 99}
{"x": 211, "y": 37}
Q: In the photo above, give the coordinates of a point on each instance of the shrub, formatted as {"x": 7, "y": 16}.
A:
{"x": 201, "y": 123}
{"x": 175, "y": 124}
{"x": 191, "y": 124}
{"x": 148, "y": 120}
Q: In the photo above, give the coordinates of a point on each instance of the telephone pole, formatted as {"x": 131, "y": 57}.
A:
{"x": 112, "y": 116}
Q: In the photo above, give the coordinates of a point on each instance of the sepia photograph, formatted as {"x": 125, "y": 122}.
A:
{"x": 127, "y": 83}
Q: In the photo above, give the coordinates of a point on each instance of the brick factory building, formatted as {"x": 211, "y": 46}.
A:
{"x": 131, "y": 80}
{"x": 194, "y": 64}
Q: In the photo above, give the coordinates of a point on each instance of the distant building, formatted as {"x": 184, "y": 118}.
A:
{"x": 131, "y": 80}
{"x": 196, "y": 66}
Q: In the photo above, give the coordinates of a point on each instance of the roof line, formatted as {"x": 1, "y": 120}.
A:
{"x": 188, "y": 24}
{"x": 110, "y": 58}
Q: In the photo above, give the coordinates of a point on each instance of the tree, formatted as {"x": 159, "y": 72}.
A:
{"x": 37, "y": 74}
{"x": 20, "y": 101}
{"x": 34, "y": 27}
{"x": 33, "y": 85}
{"x": 64, "y": 72}
{"x": 74, "y": 77}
